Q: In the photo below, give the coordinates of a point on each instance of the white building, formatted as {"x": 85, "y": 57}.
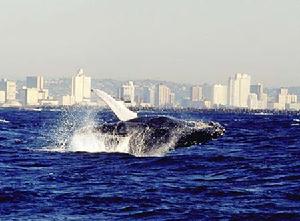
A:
{"x": 67, "y": 100}
{"x": 81, "y": 87}
{"x": 35, "y": 93}
{"x": 148, "y": 96}
{"x": 31, "y": 97}
{"x": 239, "y": 90}
{"x": 2, "y": 97}
{"x": 207, "y": 92}
{"x": 163, "y": 96}
{"x": 35, "y": 82}
{"x": 262, "y": 98}
{"x": 219, "y": 95}
{"x": 285, "y": 100}
{"x": 196, "y": 93}
{"x": 8, "y": 90}
{"x": 253, "y": 101}
{"x": 127, "y": 93}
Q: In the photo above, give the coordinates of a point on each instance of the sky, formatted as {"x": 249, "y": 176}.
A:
{"x": 190, "y": 41}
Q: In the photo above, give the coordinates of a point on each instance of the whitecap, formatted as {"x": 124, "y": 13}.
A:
{"x": 4, "y": 121}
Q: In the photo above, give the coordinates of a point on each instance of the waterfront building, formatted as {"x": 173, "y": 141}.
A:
{"x": 293, "y": 106}
{"x": 35, "y": 93}
{"x": 253, "y": 101}
{"x": 31, "y": 97}
{"x": 219, "y": 95}
{"x": 257, "y": 89}
{"x": 127, "y": 93}
{"x": 2, "y": 97}
{"x": 206, "y": 104}
{"x": 35, "y": 82}
{"x": 263, "y": 102}
{"x": 148, "y": 96}
{"x": 239, "y": 90}
{"x": 81, "y": 87}
{"x": 164, "y": 96}
{"x": 67, "y": 100}
{"x": 262, "y": 98}
{"x": 284, "y": 100}
{"x": 207, "y": 92}
{"x": 196, "y": 93}
{"x": 10, "y": 89}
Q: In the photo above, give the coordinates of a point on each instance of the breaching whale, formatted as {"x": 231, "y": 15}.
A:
{"x": 146, "y": 133}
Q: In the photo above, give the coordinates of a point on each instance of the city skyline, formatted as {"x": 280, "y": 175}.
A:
{"x": 239, "y": 92}
{"x": 192, "y": 41}
{"x": 126, "y": 79}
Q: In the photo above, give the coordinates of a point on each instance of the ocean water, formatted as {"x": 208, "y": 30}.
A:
{"x": 252, "y": 172}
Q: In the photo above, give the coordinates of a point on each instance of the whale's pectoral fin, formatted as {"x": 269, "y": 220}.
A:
{"x": 118, "y": 107}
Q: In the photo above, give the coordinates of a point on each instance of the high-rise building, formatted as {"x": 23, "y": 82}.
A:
{"x": 285, "y": 100}
{"x": 239, "y": 90}
{"x": 127, "y": 93}
{"x": 207, "y": 93}
{"x": 262, "y": 98}
{"x": 10, "y": 89}
{"x": 148, "y": 95}
{"x": 219, "y": 95}
{"x": 35, "y": 82}
{"x": 253, "y": 101}
{"x": 164, "y": 96}
{"x": 81, "y": 87}
{"x": 31, "y": 96}
{"x": 196, "y": 93}
{"x": 2, "y": 97}
{"x": 257, "y": 89}
{"x": 35, "y": 93}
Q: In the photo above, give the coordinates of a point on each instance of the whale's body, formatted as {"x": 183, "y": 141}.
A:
{"x": 148, "y": 133}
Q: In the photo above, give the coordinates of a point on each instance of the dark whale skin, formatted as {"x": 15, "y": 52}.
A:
{"x": 149, "y": 132}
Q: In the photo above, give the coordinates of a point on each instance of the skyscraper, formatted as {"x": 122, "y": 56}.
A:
{"x": 257, "y": 89}
{"x": 81, "y": 87}
{"x": 148, "y": 95}
{"x": 35, "y": 82}
{"x": 127, "y": 93}
{"x": 164, "y": 96}
{"x": 196, "y": 93}
{"x": 10, "y": 89}
{"x": 35, "y": 93}
{"x": 219, "y": 95}
{"x": 239, "y": 90}
{"x": 261, "y": 97}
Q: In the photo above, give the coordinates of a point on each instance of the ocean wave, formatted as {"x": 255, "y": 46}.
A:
{"x": 4, "y": 121}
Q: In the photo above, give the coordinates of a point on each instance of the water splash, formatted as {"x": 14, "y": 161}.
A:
{"x": 75, "y": 134}
{"x": 97, "y": 143}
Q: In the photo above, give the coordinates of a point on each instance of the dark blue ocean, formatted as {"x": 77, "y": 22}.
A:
{"x": 251, "y": 173}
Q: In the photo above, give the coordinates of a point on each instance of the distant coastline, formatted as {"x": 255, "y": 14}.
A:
{"x": 155, "y": 109}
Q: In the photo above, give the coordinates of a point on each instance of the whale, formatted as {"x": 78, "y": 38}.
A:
{"x": 147, "y": 133}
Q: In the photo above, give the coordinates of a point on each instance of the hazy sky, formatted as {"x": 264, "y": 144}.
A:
{"x": 192, "y": 41}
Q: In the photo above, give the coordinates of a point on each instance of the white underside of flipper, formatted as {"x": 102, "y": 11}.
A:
{"x": 118, "y": 107}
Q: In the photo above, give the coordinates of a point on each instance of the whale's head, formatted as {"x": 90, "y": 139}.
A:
{"x": 198, "y": 132}
{"x": 186, "y": 133}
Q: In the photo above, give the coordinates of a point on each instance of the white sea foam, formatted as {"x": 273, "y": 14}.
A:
{"x": 4, "y": 121}
{"x": 95, "y": 143}
{"x": 263, "y": 113}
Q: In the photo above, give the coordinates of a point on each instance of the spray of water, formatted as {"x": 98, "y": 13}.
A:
{"x": 74, "y": 133}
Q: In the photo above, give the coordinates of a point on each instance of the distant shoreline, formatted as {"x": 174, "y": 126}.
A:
{"x": 177, "y": 110}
